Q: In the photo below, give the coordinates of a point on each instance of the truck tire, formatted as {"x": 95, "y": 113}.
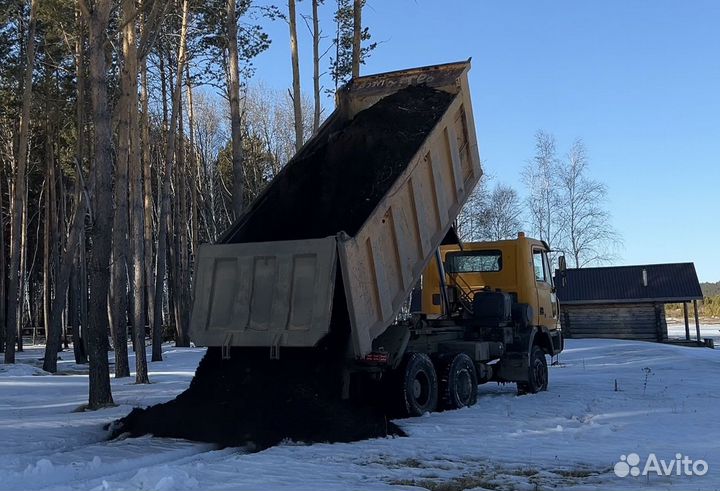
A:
{"x": 538, "y": 373}
{"x": 418, "y": 385}
{"x": 458, "y": 382}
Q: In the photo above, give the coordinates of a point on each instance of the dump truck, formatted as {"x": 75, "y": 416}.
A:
{"x": 326, "y": 258}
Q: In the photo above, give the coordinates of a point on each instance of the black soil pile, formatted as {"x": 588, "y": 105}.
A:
{"x": 252, "y": 401}
{"x": 335, "y": 186}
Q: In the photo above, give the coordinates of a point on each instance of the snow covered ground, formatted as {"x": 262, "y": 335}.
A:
{"x": 676, "y": 330}
{"x": 607, "y": 398}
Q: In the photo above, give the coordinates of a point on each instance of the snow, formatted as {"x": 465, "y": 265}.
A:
{"x": 710, "y": 330}
{"x": 569, "y": 437}
{"x": 21, "y": 370}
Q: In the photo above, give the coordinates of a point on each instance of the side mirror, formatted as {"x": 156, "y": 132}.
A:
{"x": 562, "y": 265}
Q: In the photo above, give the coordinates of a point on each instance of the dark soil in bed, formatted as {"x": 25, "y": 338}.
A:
{"x": 335, "y": 186}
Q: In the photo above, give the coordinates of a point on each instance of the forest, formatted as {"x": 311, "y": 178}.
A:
{"x": 129, "y": 134}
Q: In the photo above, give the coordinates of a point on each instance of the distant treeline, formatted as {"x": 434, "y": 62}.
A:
{"x": 710, "y": 289}
{"x": 708, "y": 307}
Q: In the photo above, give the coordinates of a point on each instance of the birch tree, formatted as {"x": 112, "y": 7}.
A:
{"x": 490, "y": 214}
{"x": 503, "y": 214}
{"x": 471, "y": 222}
{"x": 589, "y": 235}
{"x": 541, "y": 177}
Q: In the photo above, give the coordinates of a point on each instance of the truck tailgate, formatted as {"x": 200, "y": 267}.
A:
{"x": 264, "y": 294}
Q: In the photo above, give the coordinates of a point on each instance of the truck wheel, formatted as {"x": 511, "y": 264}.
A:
{"x": 458, "y": 382}
{"x": 538, "y": 376}
{"x": 419, "y": 385}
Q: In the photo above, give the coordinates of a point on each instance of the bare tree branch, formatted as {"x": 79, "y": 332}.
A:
{"x": 589, "y": 235}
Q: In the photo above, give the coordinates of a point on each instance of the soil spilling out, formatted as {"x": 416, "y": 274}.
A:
{"x": 249, "y": 400}
{"x": 335, "y": 184}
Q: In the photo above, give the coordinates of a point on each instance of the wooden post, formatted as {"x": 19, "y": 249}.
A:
{"x": 567, "y": 330}
{"x": 660, "y": 327}
{"x": 687, "y": 324}
{"x": 697, "y": 320}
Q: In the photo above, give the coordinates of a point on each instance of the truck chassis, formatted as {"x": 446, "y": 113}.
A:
{"x": 427, "y": 364}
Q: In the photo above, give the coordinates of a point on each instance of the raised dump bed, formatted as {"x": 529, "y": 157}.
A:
{"x": 345, "y": 230}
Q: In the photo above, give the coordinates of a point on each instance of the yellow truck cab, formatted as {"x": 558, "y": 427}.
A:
{"x": 520, "y": 267}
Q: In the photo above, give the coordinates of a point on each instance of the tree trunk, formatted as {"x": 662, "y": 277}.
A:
{"x": 192, "y": 154}
{"x": 297, "y": 97}
{"x": 75, "y": 242}
{"x": 14, "y": 322}
{"x": 316, "y": 65}
{"x": 234, "y": 97}
{"x": 100, "y": 233}
{"x": 78, "y": 296}
{"x": 70, "y": 269}
{"x": 84, "y": 288}
{"x": 159, "y": 293}
{"x": 3, "y": 275}
{"x": 46, "y": 251}
{"x": 72, "y": 256}
{"x": 165, "y": 216}
{"x": 148, "y": 276}
{"x": 73, "y": 315}
{"x": 52, "y": 331}
{"x": 136, "y": 195}
{"x": 120, "y": 245}
{"x": 22, "y": 287}
{"x": 182, "y": 337}
{"x": 60, "y": 233}
{"x": 357, "y": 36}
{"x": 80, "y": 272}
{"x": 156, "y": 330}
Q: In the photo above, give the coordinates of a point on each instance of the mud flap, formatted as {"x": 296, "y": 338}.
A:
{"x": 513, "y": 367}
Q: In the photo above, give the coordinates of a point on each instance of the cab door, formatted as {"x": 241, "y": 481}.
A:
{"x": 546, "y": 314}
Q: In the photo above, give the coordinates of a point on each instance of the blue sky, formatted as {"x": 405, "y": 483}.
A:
{"x": 638, "y": 81}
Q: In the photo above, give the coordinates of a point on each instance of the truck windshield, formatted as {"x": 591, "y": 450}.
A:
{"x": 474, "y": 262}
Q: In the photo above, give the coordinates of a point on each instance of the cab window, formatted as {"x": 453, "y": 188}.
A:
{"x": 473, "y": 262}
{"x": 539, "y": 263}
{"x": 548, "y": 271}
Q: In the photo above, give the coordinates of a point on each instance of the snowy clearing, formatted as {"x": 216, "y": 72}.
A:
{"x": 569, "y": 437}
